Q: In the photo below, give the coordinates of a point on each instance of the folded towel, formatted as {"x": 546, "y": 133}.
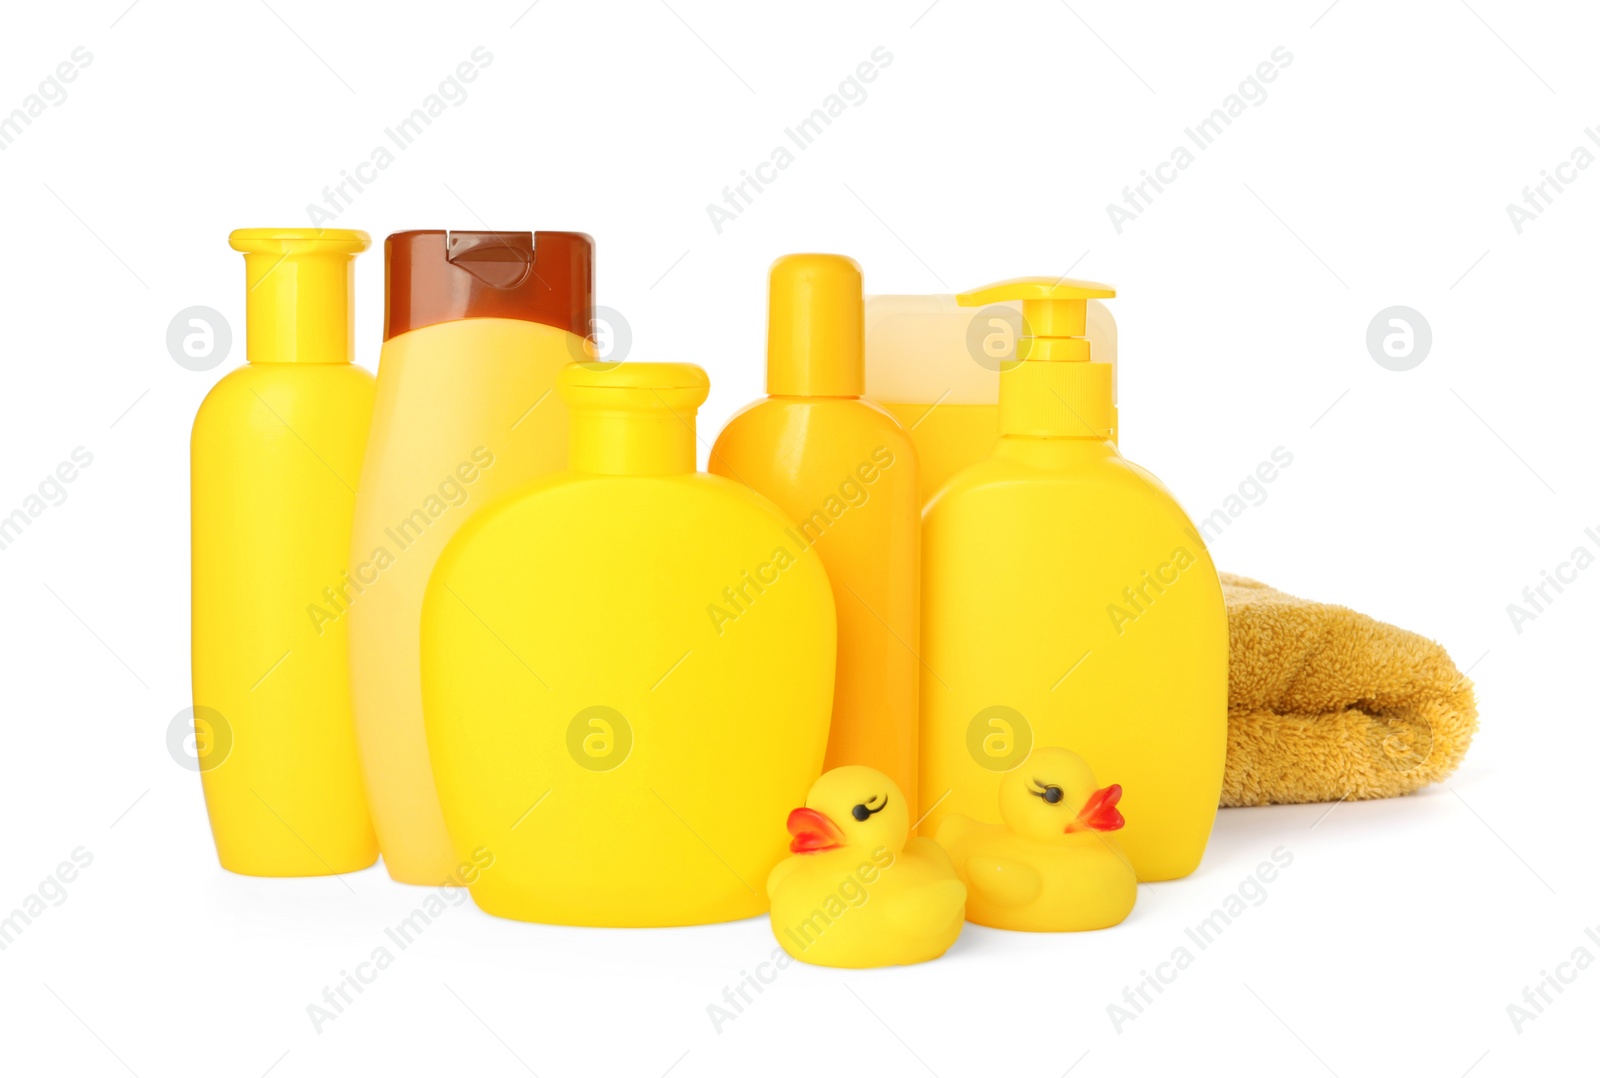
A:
{"x": 1325, "y": 704}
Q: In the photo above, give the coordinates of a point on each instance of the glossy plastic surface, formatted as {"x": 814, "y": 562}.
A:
{"x": 621, "y": 754}
{"x": 1053, "y": 864}
{"x": 275, "y": 454}
{"x": 814, "y": 335}
{"x": 858, "y": 890}
{"x": 466, "y": 411}
{"x": 436, "y": 276}
{"x": 947, "y": 438}
{"x": 845, "y": 473}
{"x": 299, "y": 292}
{"x": 1067, "y": 599}
{"x": 1053, "y": 389}
{"x": 1101, "y": 626}
{"x": 935, "y": 366}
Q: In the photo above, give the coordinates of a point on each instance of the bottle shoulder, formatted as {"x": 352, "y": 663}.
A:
{"x": 576, "y": 505}
{"x": 291, "y": 391}
{"x": 823, "y": 440}
{"x": 831, "y": 414}
{"x": 1109, "y": 469}
{"x": 1072, "y": 488}
{"x": 473, "y": 349}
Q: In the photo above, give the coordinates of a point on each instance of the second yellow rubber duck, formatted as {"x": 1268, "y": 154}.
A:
{"x": 858, "y": 891}
{"x": 1052, "y": 866}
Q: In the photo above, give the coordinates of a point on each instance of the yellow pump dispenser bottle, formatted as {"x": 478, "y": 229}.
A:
{"x": 935, "y": 366}
{"x": 845, "y": 472}
{"x": 477, "y": 325}
{"x": 1067, "y": 600}
{"x": 274, "y": 458}
{"x": 627, "y": 669}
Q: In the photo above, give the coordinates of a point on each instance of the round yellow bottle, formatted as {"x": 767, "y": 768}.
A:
{"x": 845, "y": 473}
{"x": 627, "y": 669}
{"x": 275, "y": 455}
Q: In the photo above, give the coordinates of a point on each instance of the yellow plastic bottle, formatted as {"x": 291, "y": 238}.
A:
{"x": 274, "y": 458}
{"x": 477, "y": 326}
{"x": 604, "y": 719}
{"x": 845, "y": 473}
{"x": 1067, "y": 600}
{"x": 935, "y": 365}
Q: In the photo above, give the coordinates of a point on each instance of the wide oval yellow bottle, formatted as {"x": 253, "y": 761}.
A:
{"x": 1067, "y": 600}
{"x": 597, "y": 724}
{"x": 477, "y": 326}
{"x": 845, "y": 473}
{"x": 274, "y": 459}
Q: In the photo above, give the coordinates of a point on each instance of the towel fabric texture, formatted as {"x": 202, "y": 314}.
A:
{"x": 1325, "y": 704}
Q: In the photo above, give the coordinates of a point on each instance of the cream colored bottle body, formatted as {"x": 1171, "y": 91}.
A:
{"x": 445, "y": 441}
{"x": 478, "y": 325}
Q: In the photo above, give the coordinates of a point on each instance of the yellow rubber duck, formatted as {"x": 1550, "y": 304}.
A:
{"x": 860, "y": 892}
{"x": 1052, "y": 866}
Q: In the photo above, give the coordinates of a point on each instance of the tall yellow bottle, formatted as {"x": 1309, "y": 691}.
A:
{"x": 845, "y": 472}
{"x": 1068, "y": 601}
{"x": 274, "y": 458}
{"x": 613, "y": 736}
{"x": 477, "y": 324}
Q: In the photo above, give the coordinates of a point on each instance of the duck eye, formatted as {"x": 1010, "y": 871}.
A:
{"x": 1051, "y": 795}
{"x": 862, "y": 811}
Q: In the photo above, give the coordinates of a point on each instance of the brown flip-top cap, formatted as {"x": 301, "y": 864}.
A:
{"x": 437, "y": 276}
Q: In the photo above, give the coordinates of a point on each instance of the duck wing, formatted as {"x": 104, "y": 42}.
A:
{"x": 926, "y": 849}
{"x": 1003, "y": 881}
{"x": 779, "y": 873}
{"x": 928, "y": 908}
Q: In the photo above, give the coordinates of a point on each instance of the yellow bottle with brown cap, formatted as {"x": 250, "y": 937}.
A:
{"x": 845, "y": 472}
{"x": 477, "y": 326}
{"x": 1067, "y": 600}
{"x": 274, "y": 459}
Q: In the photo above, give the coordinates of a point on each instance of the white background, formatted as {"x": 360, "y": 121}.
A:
{"x": 1376, "y": 172}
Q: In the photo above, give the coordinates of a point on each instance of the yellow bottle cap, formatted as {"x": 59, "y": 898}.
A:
{"x": 632, "y": 418}
{"x": 1055, "y": 391}
{"x": 633, "y": 386}
{"x": 814, "y": 327}
{"x": 300, "y": 282}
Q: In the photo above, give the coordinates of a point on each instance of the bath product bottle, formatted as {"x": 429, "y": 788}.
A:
{"x": 597, "y": 723}
{"x": 1067, "y": 600}
{"x": 935, "y": 365}
{"x": 274, "y": 459}
{"x": 477, "y": 326}
{"x": 845, "y": 473}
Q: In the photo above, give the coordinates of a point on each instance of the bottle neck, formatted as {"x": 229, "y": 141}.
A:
{"x": 1053, "y": 398}
{"x": 298, "y": 307}
{"x": 648, "y": 441}
{"x": 1055, "y": 452}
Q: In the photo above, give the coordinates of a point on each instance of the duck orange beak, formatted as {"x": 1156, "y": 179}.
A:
{"x": 1099, "y": 813}
{"x": 813, "y": 832}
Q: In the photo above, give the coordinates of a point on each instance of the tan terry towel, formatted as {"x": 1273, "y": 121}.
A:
{"x": 1325, "y": 703}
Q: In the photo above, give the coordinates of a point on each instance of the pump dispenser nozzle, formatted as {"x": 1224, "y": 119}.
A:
{"x": 1053, "y": 391}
